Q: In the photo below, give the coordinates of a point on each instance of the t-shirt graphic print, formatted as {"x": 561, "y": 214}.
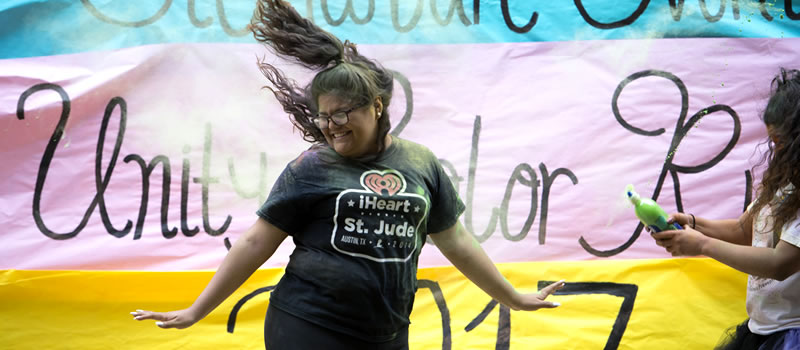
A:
{"x": 358, "y": 227}
{"x": 381, "y": 220}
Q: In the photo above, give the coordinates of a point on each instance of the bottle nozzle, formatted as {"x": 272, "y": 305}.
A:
{"x": 632, "y": 195}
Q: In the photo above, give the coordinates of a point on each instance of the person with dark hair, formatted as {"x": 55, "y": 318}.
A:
{"x": 359, "y": 205}
{"x": 765, "y": 241}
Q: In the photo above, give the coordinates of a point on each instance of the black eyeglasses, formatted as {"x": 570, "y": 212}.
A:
{"x": 338, "y": 118}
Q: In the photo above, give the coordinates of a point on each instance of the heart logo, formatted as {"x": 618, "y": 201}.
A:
{"x": 389, "y": 182}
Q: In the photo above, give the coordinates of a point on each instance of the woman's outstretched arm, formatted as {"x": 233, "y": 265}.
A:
{"x": 249, "y": 252}
{"x": 466, "y": 254}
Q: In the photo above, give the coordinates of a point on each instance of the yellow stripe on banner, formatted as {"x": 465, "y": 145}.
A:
{"x": 607, "y": 304}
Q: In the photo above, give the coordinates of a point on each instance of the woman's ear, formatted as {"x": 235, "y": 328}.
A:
{"x": 378, "y": 105}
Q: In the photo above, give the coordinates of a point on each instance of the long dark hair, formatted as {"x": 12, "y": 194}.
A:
{"x": 341, "y": 70}
{"x": 782, "y": 116}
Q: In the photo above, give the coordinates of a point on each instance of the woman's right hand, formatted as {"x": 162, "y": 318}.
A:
{"x": 682, "y": 219}
{"x": 174, "y": 319}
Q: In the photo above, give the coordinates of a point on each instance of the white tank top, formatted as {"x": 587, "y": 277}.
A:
{"x": 771, "y": 304}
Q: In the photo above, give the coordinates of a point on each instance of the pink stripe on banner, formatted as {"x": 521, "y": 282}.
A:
{"x": 528, "y": 131}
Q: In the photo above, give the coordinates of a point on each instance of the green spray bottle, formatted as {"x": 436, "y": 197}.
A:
{"x": 649, "y": 213}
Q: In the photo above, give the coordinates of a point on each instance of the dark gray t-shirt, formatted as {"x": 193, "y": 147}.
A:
{"x": 358, "y": 228}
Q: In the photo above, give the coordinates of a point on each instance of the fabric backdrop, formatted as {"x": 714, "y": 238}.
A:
{"x": 137, "y": 142}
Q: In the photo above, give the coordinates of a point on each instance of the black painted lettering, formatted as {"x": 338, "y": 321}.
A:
{"x": 185, "y": 170}
{"x": 473, "y": 166}
{"x": 206, "y": 180}
{"x": 412, "y": 22}
{"x": 626, "y": 291}
{"x": 441, "y": 304}
{"x": 503, "y": 324}
{"x": 47, "y": 158}
{"x": 101, "y": 16}
{"x": 623, "y": 22}
{"x": 709, "y": 17}
{"x": 533, "y": 184}
{"x": 547, "y": 181}
{"x": 510, "y": 24}
{"x": 240, "y": 303}
{"x": 476, "y": 10}
{"x": 102, "y": 184}
{"x": 455, "y": 5}
{"x": 795, "y": 16}
{"x": 408, "y": 93}
{"x": 190, "y": 9}
{"x": 676, "y": 9}
{"x": 681, "y": 130}
{"x": 166, "y": 180}
{"x": 226, "y": 26}
{"x": 261, "y": 190}
{"x": 348, "y": 11}
{"x": 762, "y": 7}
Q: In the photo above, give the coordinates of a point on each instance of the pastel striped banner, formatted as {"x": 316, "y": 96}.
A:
{"x": 156, "y": 157}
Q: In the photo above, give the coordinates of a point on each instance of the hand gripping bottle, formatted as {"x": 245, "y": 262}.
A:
{"x": 649, "y": 213}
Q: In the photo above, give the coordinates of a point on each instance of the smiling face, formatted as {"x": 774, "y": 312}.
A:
{"x": 357, "y": 137}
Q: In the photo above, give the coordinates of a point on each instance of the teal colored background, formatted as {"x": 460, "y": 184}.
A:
{"x": 39, "y": 28}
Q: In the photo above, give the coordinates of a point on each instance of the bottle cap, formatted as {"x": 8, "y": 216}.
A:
{"x": 632, "y": 195}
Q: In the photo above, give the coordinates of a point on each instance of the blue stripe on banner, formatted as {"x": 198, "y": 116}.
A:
{"x": 39, "y": 28}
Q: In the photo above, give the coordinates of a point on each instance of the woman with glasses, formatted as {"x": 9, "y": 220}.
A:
{"x": 359, "y": 205}
{"x": 765, "y": 241}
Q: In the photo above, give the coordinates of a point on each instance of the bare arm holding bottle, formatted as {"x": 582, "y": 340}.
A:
{"x": 728, "y": 241}
{"x": 736, "y": 231}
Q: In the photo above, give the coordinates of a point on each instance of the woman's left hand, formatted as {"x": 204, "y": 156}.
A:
{"x": 681, "y": 242}
{"x": 536, "y": 301}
